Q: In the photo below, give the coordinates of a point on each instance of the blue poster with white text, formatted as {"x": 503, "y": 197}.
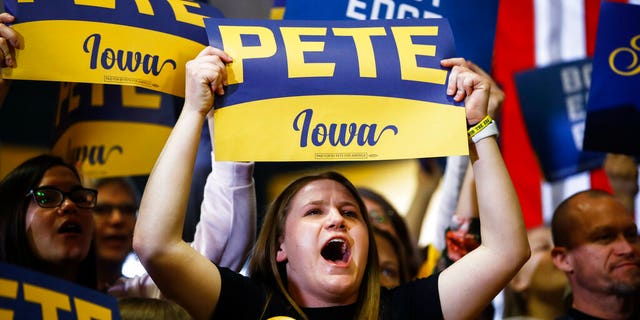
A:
{"x": 553, "y": 101}
{"x": 473, "y": 22}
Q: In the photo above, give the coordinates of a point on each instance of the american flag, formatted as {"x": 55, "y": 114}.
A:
{"x": 537, "y": 33}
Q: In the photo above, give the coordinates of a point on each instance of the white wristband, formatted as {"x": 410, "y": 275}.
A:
{"x": 490, "y": 130}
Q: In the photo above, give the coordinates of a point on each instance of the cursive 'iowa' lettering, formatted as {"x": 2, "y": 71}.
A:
{"x": 342, "y": 133}
{"x": 95, "y": 155}
{"x": 131, "y": 61}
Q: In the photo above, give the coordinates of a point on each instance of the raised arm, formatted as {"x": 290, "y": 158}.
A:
{"x": 226, "y": 231}
{"x": 181, "y": 273}
{"x": 470, "y": 284}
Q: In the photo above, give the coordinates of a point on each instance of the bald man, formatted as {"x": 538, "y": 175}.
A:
{"x": 598, "y": 248}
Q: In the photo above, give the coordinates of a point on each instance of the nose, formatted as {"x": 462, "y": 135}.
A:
{"x": 68, "y": 207}
{"x": 116, "y": 216}
{"x": 335, "y": 220}
{"x": 622, "y": 246}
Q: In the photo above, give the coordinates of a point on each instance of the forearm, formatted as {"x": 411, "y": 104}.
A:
{"x": 483, "y": 272}
{"x": 163, "y": 205}
{"x": 502, "y": 227}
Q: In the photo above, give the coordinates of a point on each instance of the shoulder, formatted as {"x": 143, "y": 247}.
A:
{"x": 416, "y": 299}
{"x": 242, "y": 297}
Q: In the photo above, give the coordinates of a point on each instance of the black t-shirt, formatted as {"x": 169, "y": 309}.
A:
{"x": 245, "y": 298}
{"x": 573, "y": 314}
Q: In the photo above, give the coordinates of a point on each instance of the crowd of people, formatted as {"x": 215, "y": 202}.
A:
{"x": 325, "y": 249}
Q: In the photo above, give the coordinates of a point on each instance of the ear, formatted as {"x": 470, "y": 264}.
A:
{"x": 562, "y": 259}
{"x": 281, "y": 255}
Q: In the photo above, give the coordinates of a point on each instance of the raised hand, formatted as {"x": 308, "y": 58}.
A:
{"x": 206, "y": 76}
{"x": 468, "y": 86}
{"x": 9, "y": 40}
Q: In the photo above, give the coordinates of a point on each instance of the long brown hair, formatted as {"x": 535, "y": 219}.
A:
{"x": 264, "y": 267}
{"x": 14, "y": 246}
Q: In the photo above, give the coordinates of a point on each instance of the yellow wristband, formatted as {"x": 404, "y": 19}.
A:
{"x": 479, "y": 126}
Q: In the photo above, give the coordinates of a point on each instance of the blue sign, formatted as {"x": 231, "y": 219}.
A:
{"x": 26, "y": 294}
{"x": 613, "y": 112}
{"x": 553, "y": 101}
{"x": 473, "y": 22}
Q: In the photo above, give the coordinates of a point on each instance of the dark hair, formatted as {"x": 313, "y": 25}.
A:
{"x": 264, "y": 267}
{"x": 125, "y": 182}
{"x": 14, "y": 245}
{"x": 412, "y": 257}
{"x": 399, "y": 250}
{"x": 140, "y": 308}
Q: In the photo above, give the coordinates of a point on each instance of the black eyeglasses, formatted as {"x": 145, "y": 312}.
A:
{"x": 52, "y": 197}
{"x": 107, "y": 209}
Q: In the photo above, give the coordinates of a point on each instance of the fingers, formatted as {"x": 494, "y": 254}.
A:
{"x": 217, "y": 59}
{"x": 8, "y": 40}
{"x": 206, "y": 76}
{"x": 454, "y": 87}
{"x": 473, "y": 88}
{"x": 6, "y": 58}
{"x": 460, "y": 83}
{"x": 6, "y": 17}
{"x": 497, "y": 96}
{"x": 208, "y": 68}
{"x": 476, "y": 68}
{"x": 215, "y": 51}
{"x": 451, "y": 62}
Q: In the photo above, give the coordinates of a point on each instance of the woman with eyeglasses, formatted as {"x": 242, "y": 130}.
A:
{"x": 115, "y": 218}
{"x": 224, "y": 234}
{"x": 46, "y": 220}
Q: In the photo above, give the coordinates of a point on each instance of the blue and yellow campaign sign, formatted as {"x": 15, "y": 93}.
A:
{"x": 277, "y": 11}
{"x": 613, "y": 111}
{"x": 336, "y": 90}
{"x": 111, "y": 130}
{"x": 553, "y": 101}
{"x": 25, "y": 294}
{"x": 142, "y": 43}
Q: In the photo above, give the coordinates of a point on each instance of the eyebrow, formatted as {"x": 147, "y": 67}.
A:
{"x": 73, "y": 187}
{"x": 609, "y": 229}
{"x": 340, "y": 204}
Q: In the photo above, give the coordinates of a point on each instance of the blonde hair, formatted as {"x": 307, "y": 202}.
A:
{"x": 139, "y": 308}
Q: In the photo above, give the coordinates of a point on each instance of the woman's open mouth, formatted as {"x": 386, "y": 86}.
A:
{"x": 337, "y": 250}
